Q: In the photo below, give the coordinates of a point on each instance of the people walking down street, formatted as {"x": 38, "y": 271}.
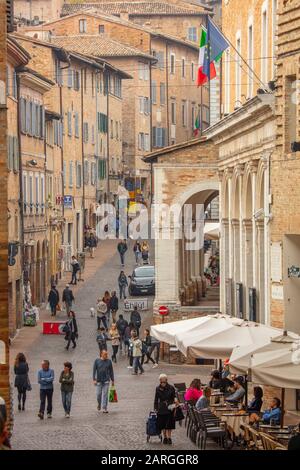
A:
{"x": 147, "y": 342}
{"x": 101, "y": 314}
{"x": 53, "y": 299}
{"x": 137, "y": 251}
{"x": 68, "y": 298}
{"x": 122, "y": 324}
{"x": 71, "y": 330}
{"x": 22, "y": 383}
{"x": 114, "y": 306}
{"x": 75, "y": 269}
{"x": 137, "y": 354}
{"x": 123, "y": 283}
{"x": 154, "y": 349}
{"x": 66, "y": 380}
{"x": 145, "y": 252}
{"x": 135, "y": 319}
{"x": 115, "y": 341}
{"x": 106, "y": 299}
{"x": 46, "y": 379}
{"x": 101, "y": 339}
{"x": 122, "y": 248}
{"x": 103, "y": 373}
{"x": 91, "y": 243}
{"x": 132, "y": 335}
{"x": 164, "y": 400}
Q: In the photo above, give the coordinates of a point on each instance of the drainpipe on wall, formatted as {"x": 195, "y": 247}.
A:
{"x": 83, "y": 166}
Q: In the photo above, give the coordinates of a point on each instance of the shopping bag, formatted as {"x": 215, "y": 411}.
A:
{"x": 58, "y": 308}
{"x": 113, "y": 397}
{"x": 48, "y": 307}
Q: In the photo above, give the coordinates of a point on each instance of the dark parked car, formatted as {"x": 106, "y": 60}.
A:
{"x": 142, "y": 281}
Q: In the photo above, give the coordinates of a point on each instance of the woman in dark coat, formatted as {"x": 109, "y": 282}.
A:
{"x": 72, "y": 332}
{"x": 165, "y": 397}
{"x": 53, "y": 299}
{"x": 21, "y": 381}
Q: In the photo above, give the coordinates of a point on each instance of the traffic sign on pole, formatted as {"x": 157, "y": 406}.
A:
{"x": 163, "y": 310}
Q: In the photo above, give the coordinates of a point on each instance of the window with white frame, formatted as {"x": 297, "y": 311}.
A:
{"x": 173, "y": 112}
{"x": 192, "y": 34}
{"x": 227, "y": 87}
{"x": 250, "y": 60}
{"x": 24, "y": 190}
{"x": 264, "y": 45}
{"x": 70, "y": 174}
{"x": 238, "y": 72}
{"x": 82, "y": 26}
{"x": 183, "y": 113}
{"x": 65, "y": 173}
{"x": 30, "y": 188}
{"x": 143, "y": 71}
{"x": 37, "y": 191}
{"x": 193, "y": 74}
{"x": 42, "y": 193}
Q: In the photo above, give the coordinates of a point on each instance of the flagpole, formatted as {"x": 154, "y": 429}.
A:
{"x": 234, "y": 48}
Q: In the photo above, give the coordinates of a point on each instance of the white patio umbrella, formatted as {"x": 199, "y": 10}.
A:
{"x": 240, "y": 359}
{"x": 220, "y": 341}
{"x": 167, "y": 332}
{"x": 212, "y": 231}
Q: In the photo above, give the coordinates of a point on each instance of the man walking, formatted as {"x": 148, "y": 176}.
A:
{"x": 114, "y": 306}
{"x": 91, "y": 244}
{"x": 137, "y": 355}
{"x": 103, "y": 373}
{"x": 123, "y": 283}
{"x": 101, "y": 314}
{"x": 68, "y": 298}
{"x": 46, "y": 379}
{"x": 121, "y": 326}
{"x": 102, "y": 339}
{"x": 75, "y": 268}
{"x": 135, "y": 319}
{"x": 53, "y": 299}
{"x": 122, "y": 248}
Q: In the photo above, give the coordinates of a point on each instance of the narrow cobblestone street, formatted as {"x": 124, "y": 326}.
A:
{"x": 124, "y": 426}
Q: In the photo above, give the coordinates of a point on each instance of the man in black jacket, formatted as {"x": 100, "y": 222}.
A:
{"x": 114, "y": 305}
{"x": 121, "y": 326}
{"x": 135, "y": 318}
{"x": 68, "y": 298}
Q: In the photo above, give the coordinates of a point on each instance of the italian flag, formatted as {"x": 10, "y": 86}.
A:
{"x": 197, "y": 125}
{"x": 202, "y": 78}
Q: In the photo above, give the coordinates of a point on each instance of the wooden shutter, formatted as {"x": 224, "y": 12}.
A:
{"x": 23, "y": 115}
{"x": 16, "y": 165}
{"x": 154, "y": 136}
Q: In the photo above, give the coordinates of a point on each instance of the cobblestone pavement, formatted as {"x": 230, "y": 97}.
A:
{"x": 124, "y": 426}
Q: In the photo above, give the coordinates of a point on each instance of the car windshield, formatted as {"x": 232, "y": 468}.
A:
{"x": 145, "y": 272}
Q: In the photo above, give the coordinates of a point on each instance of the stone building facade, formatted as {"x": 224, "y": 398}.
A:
{"x": 284, "y": 174}
{"x": 37, "y": 11}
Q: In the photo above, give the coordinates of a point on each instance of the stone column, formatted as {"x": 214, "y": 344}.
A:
{"x": 248, "y": 261}
{"x": 260, "y": 271}
{"x": 229, "y": 172}
{"x": 224, "y": 261}
{"x": 253, "y": 169}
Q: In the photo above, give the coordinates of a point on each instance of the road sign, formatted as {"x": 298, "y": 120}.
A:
{"x": 141, "y": 304}
{"x": 68, "y": 202}
{"x": 163, "y": 310}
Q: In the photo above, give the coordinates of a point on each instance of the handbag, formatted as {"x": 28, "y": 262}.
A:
{"x": 178, "y": 414}
{"x": 28, "y": 386}
{"x": 112, "y": 397}
{"x": 58, "y": 308}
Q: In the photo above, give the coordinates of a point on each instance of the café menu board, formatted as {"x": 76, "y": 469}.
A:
{"x": 276, "y": 262}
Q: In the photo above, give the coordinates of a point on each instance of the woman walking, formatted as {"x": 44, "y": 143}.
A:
{"x": 165, "y": 403}
{"x": 137, "y": 251}
{"x": 53, "y": 299}
{"x": 123, "y": 283}
{"x": 67, "y": 386}
{"x": 21, "y": 381}
{"x": 148, "y": 343}
{"x": 115, "y": 341}
{"x": 106, "y": 300}
{"x": 72, "y": 330}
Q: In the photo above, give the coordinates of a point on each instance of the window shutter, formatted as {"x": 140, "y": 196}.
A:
{"x": 42, "y": 113}
{"x": 70, "y": 78}
{"x": 76, "y": 119}
{"x": 9, "y": 150}
{"x": 70, "y": 124}
{"x": 153, "y": 91}
{"x": 16, "y": 154}
{"x": 28, "y": 118}
{"x": 153, "y": 136}
{"x": 33, "y": 115}
{"x": 23, "y": 115}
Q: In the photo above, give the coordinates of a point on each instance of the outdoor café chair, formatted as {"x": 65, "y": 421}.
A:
{"x": 213, "y": 431}
{"x": 255, "y": 437}
{"x": 267, "y": 442}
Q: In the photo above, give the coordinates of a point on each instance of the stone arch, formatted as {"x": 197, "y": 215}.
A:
{"x": 247, "y": 199}
{"x": 235, "y": 196}
{"x": 195, "y": 188}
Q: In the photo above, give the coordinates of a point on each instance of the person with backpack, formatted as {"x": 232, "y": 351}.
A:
{"x": 123, "y": 283}
{"x": 121, "y": 326}
{"x": 101, "y": 314}
{"x": 102, "y": 339}
{"x": 147, "y": 343}
{"x": 68, "y": 298}
{"x": 135, "y": 319}
{"x": 71, "y": 330}
{"x": 122, "y": 248}
{"x": 137, "y": 352}
{"x": 75, "y": 269}
{"x": 53, "y": 299}
{"x": 114, "y": 305}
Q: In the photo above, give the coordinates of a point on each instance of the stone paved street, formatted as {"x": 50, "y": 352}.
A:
{"x": 124, "y": 426}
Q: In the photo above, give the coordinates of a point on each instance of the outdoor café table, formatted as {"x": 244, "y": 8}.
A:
{"x": 219, "y": 410}
{"x": 217, "y": 397}
{"x": 234, "y": 422}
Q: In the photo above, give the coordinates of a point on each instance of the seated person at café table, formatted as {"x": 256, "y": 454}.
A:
{"x": 226, "y": 369}
{"x": 254, "y": 406}
{"x": 194, "y": 392}
{"x": 239, "y": 391}
{"x": 273, "y": 413}
{"x": 217, "y": 383}
{"x": 203, "y": 402}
